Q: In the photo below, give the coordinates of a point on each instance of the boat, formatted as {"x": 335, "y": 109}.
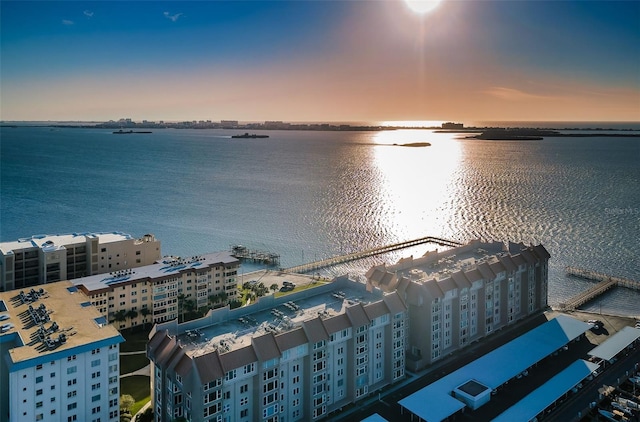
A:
{"x": 126, "y": 132}
{"x": 248, "y": 135}
{"x": 607, "y": 415}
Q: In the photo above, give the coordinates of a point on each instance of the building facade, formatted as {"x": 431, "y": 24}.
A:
{"x": 59, "y": 359}
{"x": 44, "y": 259}
{"x": 162, "y": 291}
{"x": 297, "y": 357}
{"x": 460, "y": 295}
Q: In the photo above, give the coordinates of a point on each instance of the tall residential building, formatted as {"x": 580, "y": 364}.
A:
{"x": 155, "y": 292}
{"x": 44, "y": 259}
{"x": 458, "y": 296}
{"x": 294, "y": 357}
{"x": 59, "y": 359}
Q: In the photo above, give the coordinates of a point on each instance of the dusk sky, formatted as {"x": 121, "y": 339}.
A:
{"x": 337, "y": 61}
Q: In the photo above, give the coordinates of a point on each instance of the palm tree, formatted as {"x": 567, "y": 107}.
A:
{"x": 145, "y": 312}
{"x": 274, "y": 287}
{"x": 120, "y": 316}
{"x": 132, "y": 314}
{"x": 181, "y": 306}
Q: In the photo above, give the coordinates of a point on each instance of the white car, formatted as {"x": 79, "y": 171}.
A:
{"x": 4, "y": 317}
{"x": 6, "y": 327}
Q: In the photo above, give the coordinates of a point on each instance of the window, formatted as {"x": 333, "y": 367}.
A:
{"x": 39, "y": 379}
{"x": 72, "y": 370}
{"x": 39, "y": 392}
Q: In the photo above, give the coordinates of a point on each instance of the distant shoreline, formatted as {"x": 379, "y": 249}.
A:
{"x": 487, "y": 133}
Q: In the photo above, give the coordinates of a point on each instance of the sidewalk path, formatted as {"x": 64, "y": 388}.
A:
{"x": 146, "y": 371}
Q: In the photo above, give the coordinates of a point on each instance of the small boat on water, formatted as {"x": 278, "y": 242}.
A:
{"x": 126, "y": 132}
{"x": 248, "y": 135}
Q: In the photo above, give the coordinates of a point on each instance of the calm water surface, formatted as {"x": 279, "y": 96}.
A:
{"x": 311, "y": 195}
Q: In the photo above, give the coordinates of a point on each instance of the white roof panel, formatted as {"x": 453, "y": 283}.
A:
{"x": 616, "y": 343}
{"x": 434, "y": 403}
{"x": 542, "y": 397}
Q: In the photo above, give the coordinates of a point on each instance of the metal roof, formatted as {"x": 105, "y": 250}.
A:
{"x": 542, "y": 397}
{"x": 434, "y": 402}
{"x": 616, "y": 343}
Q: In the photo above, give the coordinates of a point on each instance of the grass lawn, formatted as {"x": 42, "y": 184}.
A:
{"x": 130, "y": 363}
{"x": 137, "y": 387}
{"x": 135, "y": 340}
{"x": 299, "y": 288}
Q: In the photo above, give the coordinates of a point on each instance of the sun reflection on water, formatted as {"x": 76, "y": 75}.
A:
{"x": 416, "y": 181}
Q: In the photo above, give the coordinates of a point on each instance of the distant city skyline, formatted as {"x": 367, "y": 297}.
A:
{"x": 312, "y": 61}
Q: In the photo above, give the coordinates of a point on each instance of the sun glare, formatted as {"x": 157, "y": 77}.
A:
{"x": 422, "y": 6}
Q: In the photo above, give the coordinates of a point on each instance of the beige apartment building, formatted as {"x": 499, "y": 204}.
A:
{"x": 152, "y": 292}
{"x": 59, "y": 359}
{"x": 42, "y": 259}
{"x": 296, "y": 357}
{"x": 456, "y": 297}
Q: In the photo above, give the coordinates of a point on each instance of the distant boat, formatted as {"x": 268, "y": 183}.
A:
{"x": 126, "y": 132}
{"x": 249, "y": 136}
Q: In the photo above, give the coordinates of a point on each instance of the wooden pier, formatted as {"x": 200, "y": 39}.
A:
{"x": 605, "y": 282}
{"x": 312, "y": 266}
{"x": 245, "y": 254}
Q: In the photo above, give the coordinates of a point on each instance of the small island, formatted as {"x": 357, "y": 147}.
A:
{"x": 414, "y": 144}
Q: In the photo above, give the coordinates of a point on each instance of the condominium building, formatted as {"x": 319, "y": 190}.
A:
{"x": 458, "y": 296}
{"x": 59, "y": 359}
{"x": 295, "y": 357}
{"x": 153, "y": 293}
{"x": 47, "y": 258}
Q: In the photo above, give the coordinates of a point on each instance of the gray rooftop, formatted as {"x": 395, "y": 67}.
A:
{"x": 167, "y": 267}
{"x": 284, "y": 316}
{"x": 616, "y": 343}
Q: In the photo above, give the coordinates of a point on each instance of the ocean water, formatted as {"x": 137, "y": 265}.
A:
{"x": 311, "y": 195}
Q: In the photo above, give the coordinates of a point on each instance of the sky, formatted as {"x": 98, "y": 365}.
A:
{"x": 320, "y": 60}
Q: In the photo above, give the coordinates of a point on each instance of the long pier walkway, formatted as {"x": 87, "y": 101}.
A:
{"x": 312, "y": 266}
{"x": 605, "y": 282}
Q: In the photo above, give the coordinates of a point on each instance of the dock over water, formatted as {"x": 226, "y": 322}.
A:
{"x": 605, "y": 282}
{"x": 312, "y": 266}
{"x": 251, "y": 255}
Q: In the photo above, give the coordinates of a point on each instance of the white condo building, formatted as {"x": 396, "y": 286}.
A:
{"x": 295, "y": 357}
{"x": 59, "y": 359}
{"x": 152, "y": 293}
{"x": 460, "y": 295}
{"x": 44, "y": 259}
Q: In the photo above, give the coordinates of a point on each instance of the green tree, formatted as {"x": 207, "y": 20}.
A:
{"x": 274, "y": 287}
{"x": 126, "y": 403}
{"x": 131, "y": 314}
{"x": 145, "y": 313}
{"x": 120, "y": 316}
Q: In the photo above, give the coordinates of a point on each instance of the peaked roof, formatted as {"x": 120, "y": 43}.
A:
{"x": 357, "y": 315}
{"x": 315, "y": 330}
{"x": 266, "y": 347}
{"x": 291, "y": 339}
{"x": 238, "y": 358}
{"x": 209, "y": 367}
